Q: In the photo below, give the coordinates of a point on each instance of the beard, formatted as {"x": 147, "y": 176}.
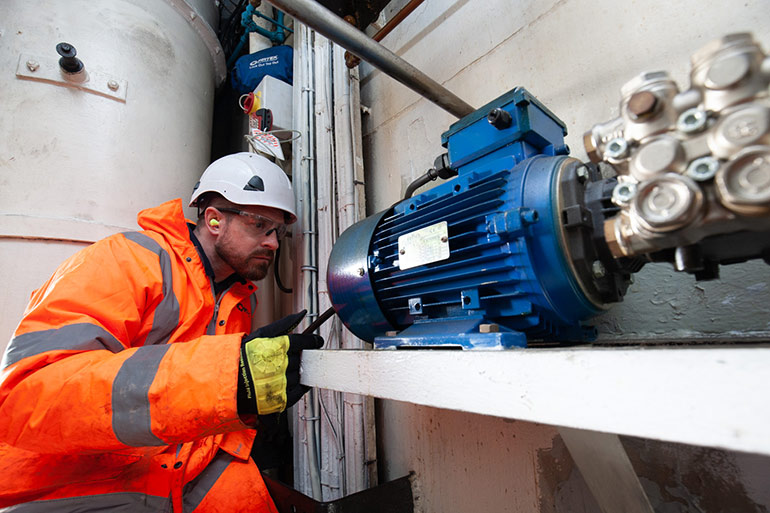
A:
{"x": 247, "y": 265}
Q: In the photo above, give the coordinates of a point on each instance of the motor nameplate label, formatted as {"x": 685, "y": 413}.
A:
{"x": 423, "y": 246}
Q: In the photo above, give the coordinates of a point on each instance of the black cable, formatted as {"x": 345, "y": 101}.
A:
{"x": 440, "y": 169}
{"x": 229, "y": 17}
{"x": 230, "y": 27}
{"x": 276, "y": 265}
{"x": 419, "y": 182}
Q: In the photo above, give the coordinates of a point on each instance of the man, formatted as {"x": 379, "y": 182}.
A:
{"x": 131, "y": 384}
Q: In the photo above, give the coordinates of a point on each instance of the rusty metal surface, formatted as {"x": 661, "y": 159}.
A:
{"x": 352, "y": 61}
{"x": 364, "y": 12}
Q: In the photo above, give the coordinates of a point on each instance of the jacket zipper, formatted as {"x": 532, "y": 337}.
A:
{"x": 213, "y": 324}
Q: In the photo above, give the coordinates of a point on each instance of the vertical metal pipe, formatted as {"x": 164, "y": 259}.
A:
{"x": 312, "y": 270}
{"x": 353, "y": 467}
{"x": 332, "y": 26}
{"x": 299, "y": 152}
{"x": 331, "y": 477}
{"x": 303, "y": 157}
{"x": 368, "y": 435}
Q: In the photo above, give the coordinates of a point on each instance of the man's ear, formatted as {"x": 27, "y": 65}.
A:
{"x": 212, "y": 220}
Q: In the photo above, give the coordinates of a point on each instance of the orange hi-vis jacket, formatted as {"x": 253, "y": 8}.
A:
{"x": 118, "y": 389}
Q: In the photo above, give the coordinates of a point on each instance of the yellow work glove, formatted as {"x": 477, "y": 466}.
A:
{"x": 268, "y": 380}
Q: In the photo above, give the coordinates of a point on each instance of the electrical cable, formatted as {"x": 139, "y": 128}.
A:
{"x": 419, "y": 182}
{"x": 440, "y": 169}
{"x": 276, "y": 272}
{"x": 230, "y": 28}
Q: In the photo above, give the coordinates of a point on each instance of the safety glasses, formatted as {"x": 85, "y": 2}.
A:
{"x": 263, "y": 225}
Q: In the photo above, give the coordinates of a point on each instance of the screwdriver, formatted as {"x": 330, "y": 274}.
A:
{"x": 318, "y": 322}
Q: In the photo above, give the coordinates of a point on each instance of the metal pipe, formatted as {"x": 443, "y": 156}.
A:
{"x": 277, "y": 22}
{"x": 303, "y": 171}
{"x": 335, "y": 28}
{"x": 355, "y": 417}
{"x": 275, "y": 36}
{"x": 313, "y": 434}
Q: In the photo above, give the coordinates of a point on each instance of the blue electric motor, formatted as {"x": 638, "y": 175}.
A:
{"x": 510, "y": 250}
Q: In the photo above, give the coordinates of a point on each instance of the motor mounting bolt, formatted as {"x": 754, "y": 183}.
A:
{"x": 598, "y": 269}
{"x": 616, "y": 148}
{"x": 623, "y": 193}
{"x": 33, "y": 65}
{"x": 499, "y": 118}
{"x": 642, "y": 104}
{"x": 361, "y": 271}
{"x": 401, "y": 251}
{"x": 703, "y": 169}
{"x": 691, "y": 121}
{"x": 113, "y": 85}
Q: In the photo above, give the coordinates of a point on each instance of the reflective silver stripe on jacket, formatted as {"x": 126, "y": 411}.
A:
{"x": 121, "y": 502}
{"x": 131, "y": 419}
{"x": 74, "y": 337}
{"x": 195, "y": 491}
{"x": 166, "y": 317}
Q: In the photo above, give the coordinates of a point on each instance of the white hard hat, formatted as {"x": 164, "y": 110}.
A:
{"x": 247, "y": 179}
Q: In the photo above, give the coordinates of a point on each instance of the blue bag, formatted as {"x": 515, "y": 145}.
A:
{"x": 249, "y": 70}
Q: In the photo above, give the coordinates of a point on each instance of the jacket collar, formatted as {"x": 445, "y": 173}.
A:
{"x": 168, "y": 219}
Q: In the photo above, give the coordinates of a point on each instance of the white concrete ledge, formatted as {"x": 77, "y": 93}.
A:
{"x": 714, "y": 397}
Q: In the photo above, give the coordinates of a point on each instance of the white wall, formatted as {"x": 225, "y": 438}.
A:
{"x": 463, "y": 462}
{"x": 574, "y": 55}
